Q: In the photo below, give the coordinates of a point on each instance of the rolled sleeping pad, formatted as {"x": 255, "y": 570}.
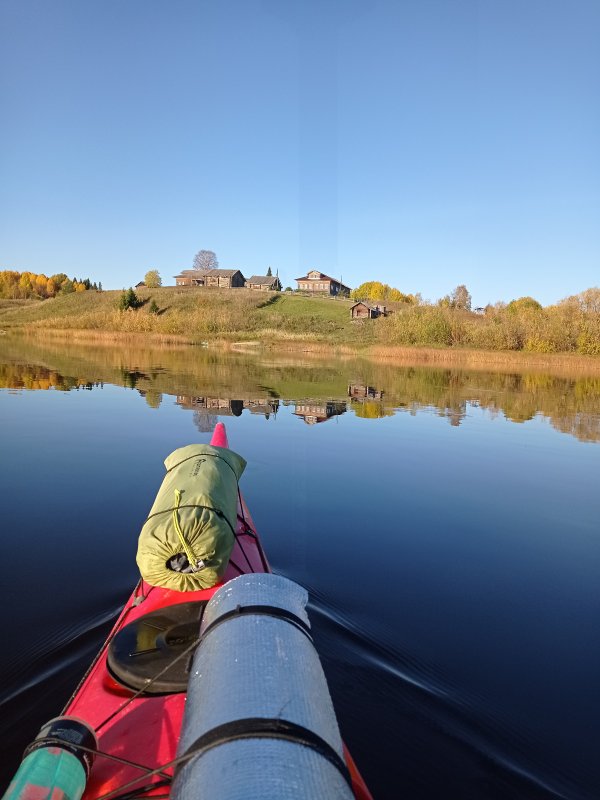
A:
{"x": 54, "y": 767}
{"x": 259, "y": 719}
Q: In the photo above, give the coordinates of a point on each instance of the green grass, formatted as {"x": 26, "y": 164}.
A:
{"x": 299, "y": 306}
{"x": 196, "y": 314}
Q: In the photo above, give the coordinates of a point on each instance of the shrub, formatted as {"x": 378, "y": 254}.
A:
{"x": 128, "y": 299}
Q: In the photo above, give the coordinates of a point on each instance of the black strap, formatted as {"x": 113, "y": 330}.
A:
{"x": 268, "y": 611}
{"x": 265, "y": 728}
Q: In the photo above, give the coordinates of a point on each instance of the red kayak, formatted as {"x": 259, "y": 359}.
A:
{"x": 137, "y": 732}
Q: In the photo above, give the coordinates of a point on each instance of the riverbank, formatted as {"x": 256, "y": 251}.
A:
{"x": 556, "y": 338}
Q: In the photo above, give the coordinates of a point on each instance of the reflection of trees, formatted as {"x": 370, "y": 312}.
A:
{"x": 153, "y": 398}
{"x": 205, "y": 422}
{"x": 371, "y": 409}
{"x": 197, "y": 376}
{"x": 39, "y": 378}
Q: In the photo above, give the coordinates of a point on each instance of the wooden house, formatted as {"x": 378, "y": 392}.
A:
{"x": 264, "y": 283}
{"x": 318, "y": 283}
{"x": 190, "y": 277}
{"x": 364, "y": 310}
{"x": 224, "y": 279}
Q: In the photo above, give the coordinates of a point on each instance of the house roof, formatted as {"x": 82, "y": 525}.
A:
{"x": 262, "y": 279}
{"x": 192, "y": 272}
{"x": 372, "y": 306}
{"x": 221, "y": 273}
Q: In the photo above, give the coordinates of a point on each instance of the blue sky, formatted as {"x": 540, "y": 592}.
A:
{"x": 423, "y": 143}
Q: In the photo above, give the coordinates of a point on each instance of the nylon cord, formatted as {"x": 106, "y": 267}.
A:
{"x": 148, "y": 684}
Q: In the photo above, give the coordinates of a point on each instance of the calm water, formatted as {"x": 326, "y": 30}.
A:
{"x": 445, "y": 523}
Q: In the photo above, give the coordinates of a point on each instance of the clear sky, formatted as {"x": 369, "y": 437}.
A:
{"x": 424, "y": 143}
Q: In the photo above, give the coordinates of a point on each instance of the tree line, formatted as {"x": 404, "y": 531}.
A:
{"x": 37, "y": 286}
{"x": 572, "y": 325}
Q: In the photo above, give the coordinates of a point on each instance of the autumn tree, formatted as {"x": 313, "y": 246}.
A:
{"x": 587, "y": 301}
{"x": 152, "y": 279}
{"x": 26, "y": 285}
{"x": 205, "y": 260}
{"x": 376, "y": 291}
{"x": 459, "y": 298}
{"x": 523, "y": 304}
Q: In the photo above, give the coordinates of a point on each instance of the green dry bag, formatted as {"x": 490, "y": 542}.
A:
{"x": 188, "y": 537}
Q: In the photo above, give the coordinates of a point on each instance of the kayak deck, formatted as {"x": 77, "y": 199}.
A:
{"x": 138, "y": 733}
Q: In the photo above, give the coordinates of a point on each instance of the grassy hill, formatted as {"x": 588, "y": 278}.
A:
{"x": 195, "y": 314}
{"x": 189, "y": 314}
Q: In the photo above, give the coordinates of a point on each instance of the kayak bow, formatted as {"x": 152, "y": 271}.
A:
{"x": 129, "y": 707}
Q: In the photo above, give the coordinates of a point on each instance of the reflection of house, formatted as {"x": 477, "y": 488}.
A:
{"x": 359, "y": 391}
{"x": 319, "y": 283}
{"x": 225, "y": 407}
{"x": 224, "y": 279}
{"x": 263, "y": 406}
{"x": 190, "y": 277}
{"x": 313, "y": 413}
{"x": 364, "y": 310}
{"x": 218, "y": 405}
{"x": 264, "y": 283}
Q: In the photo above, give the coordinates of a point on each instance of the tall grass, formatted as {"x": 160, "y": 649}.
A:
{"x": 556, "y": 329}
{"x": 236, "y": 315}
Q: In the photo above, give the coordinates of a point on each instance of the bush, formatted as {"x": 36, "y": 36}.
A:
{"x": 128, "y": 299}
{"x": 153, "y": 309}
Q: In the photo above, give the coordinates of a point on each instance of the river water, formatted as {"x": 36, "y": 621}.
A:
{"x": 445, "y": 523}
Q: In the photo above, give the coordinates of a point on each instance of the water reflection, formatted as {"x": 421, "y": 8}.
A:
{"x": 215, "y": 384}
{"x": 470, "y": 565}
{"x": 314, "y": 412}
{"x": 207, "y": 410}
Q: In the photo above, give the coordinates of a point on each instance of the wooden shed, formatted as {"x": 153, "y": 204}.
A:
{"x": 264, "y": 283}
{"x": 364, "y": 310}
{"x": 224, "y": 279}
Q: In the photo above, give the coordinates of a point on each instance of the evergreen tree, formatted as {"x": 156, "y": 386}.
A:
{"x": 128, "y": 299}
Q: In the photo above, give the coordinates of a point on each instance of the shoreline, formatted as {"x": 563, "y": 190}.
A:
{"x": 466, "y": 358}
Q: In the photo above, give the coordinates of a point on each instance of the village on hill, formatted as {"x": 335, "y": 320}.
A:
{"x": 314, "y": 283}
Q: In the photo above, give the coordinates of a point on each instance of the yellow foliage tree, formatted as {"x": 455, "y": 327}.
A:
{"x": 376, "y": 291}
